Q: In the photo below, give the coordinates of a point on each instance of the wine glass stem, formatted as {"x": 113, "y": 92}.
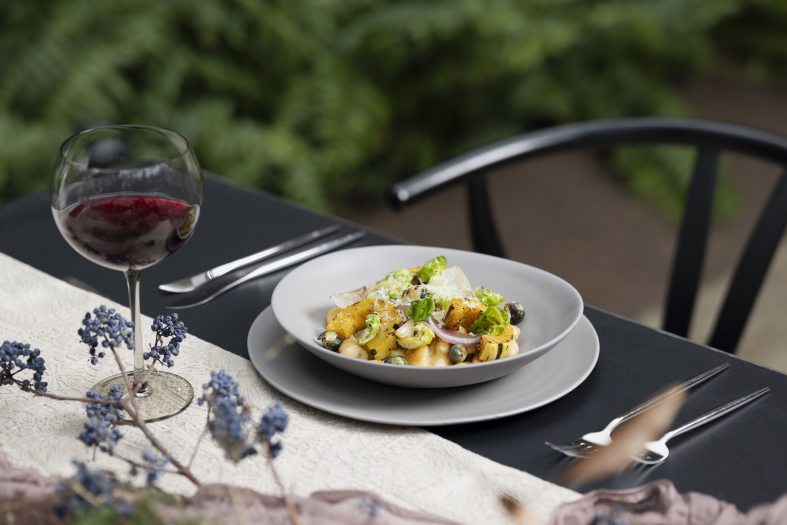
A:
{"x": 132, "y": 279}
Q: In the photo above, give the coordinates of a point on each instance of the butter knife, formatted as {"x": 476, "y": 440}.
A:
{"x": 189, "y": 284}
{"x": 270, "y": 267}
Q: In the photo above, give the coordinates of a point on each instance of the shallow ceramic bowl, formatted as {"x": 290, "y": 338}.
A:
{"x": 302, "y": 298}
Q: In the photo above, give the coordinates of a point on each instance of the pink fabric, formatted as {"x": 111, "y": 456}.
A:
{"x": 219, "y": 504}
{"x": 659, "y": 503}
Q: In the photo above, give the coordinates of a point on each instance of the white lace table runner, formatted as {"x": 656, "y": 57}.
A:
{"x": 409, "y": 467}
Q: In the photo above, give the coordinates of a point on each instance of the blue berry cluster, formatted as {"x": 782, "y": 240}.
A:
{"x": 221, "y": 384}
{"x": 272, "y": 423}
{"x": 369, "y": 506}
{"x": 105, "y": 328}
{"x": 166, "y": 327}
{"x": 16, "y": 357}
{"x": 155, "y": 466}
{"x": 102, "y": 419}
{"x": 99, "y": 484}
{"x": 228, "y": 417}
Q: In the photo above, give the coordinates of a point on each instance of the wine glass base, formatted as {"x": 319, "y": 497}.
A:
{"x": 166, "y": 394}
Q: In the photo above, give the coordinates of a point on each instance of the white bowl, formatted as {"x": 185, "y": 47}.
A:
{"x": 302, "y": 298}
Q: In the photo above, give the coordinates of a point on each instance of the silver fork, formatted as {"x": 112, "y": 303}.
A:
{"x": 657, "y": 452}
{"x": 592, "y": 441}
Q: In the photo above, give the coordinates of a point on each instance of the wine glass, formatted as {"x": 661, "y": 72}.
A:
{"x": 126, "y": 197}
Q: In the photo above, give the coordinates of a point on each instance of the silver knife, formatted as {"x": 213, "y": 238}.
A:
{"x": 271, "y": 267}
{"x": 189, "y": 284}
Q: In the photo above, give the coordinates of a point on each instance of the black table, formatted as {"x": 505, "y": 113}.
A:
{"x": 741, "y": 458}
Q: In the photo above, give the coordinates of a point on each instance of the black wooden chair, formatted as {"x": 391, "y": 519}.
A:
{"x": 708, "y": 139}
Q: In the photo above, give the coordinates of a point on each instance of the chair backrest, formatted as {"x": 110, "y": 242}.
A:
{"x": 708, "y": 138}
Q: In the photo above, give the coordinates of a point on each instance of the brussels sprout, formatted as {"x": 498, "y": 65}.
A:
{"x": 421, "y": 335}
{"x": 421, "y": 309}
{"x": 393, "y": 284}
{"x": 330, "y": 340}
{"x": 457, "y": 353}
{"x": 373, "y": 325}
{"x": 489, "y": 297}
{"x": 395, "y": 360}
{"x": 492, "y": 322}
{"x": 431, "y": 268}
{"x": 516, "y": 312}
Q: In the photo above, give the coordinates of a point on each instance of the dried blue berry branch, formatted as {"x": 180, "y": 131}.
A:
{"x": 106, "y": 329}
{"x": 228, "y": 421}
{"x": 228, "y": 424}
{"x": 109, "y": 329}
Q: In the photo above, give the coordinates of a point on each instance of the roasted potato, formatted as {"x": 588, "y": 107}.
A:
{"x": 495, "y": 346}
{"x": 463, "y": 313}
{"x": 349, "y": 320}
{"x": 381, "y": 346}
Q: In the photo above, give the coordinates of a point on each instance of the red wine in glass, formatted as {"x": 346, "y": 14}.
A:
{"x": 125, "y": 232}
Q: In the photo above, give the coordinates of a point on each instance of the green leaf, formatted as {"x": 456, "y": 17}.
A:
{"x": 431, "y": 268}
{"x": 493, "y": 321}
{"x": 421, "y": 309}
{"x": 489, "y": 297}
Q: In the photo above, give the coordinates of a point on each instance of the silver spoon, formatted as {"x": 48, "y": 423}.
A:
{"x": 657, "y": 452}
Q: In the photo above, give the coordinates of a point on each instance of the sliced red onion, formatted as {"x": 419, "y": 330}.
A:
{"x": 450, "y": 336}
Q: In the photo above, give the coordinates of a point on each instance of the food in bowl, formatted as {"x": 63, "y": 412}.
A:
{"x": 426, "y": 315}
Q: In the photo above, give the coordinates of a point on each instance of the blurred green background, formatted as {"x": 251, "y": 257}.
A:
{"x": 328, "y": 102}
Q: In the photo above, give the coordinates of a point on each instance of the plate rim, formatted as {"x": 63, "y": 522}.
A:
{"x": 312, "y": 346}
{"x": 337, "y": 410}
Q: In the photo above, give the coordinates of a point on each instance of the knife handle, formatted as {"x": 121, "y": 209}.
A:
{"x": 226, "y": 268}
{"x": 680, "y": 387}
{"x": 275, "y": 265}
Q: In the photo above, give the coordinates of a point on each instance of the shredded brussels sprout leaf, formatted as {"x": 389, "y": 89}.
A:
{"x": 393, "y": 284}
{"x": 431, "y": 268}
{"x": 421, "y": 309}
{"x": 373, "y": 325}
{"x": 493, "y": 321}
{"x": 489, "y": 297}
{"x": 422, "y": 335}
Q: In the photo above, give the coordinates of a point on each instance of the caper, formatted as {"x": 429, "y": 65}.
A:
{"x": 330, "y": 340}
{"x": 395, "y": 360}
{"x": 516, "y": 311}
{"x": 457, "y": 353}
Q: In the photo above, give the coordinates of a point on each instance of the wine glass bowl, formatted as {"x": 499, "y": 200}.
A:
{"x": 126, "y": 197}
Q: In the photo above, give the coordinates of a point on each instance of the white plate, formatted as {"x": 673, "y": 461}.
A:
{"x": 302, "y": 298}
{"x": 293, "y": 371}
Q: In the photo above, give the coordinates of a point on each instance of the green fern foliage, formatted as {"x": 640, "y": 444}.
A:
{"x": 329, "y": 101}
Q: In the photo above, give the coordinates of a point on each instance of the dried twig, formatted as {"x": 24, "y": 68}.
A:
{"x": 131, "y": 392}
{"x": 238, "y": 508}
{"x": 69, "y": 398}
{"x": 199, "y": 442}
{"x": 141, "y": 465}
{"x": 292, "y": 512}
{"x": 181, "y": 468}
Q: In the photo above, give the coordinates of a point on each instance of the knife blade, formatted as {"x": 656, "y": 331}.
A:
{"x": 268, "y": 268}
{"x": 189, "y": 284}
